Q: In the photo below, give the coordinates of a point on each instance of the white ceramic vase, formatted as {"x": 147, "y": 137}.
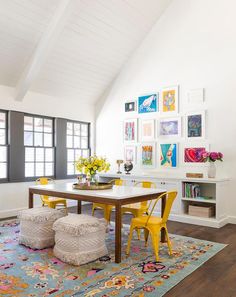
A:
{"x": 211, "y": 170}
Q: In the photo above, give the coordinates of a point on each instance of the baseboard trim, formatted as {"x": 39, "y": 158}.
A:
{"x": 231, "y": 220}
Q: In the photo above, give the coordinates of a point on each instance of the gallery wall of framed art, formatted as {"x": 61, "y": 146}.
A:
{"x": 160, "y": 135}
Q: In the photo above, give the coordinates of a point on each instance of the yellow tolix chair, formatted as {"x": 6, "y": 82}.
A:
{"x": 140, "y": 208}
{"x": 153, "y": 225}
{"x": 107, "y": 208}
{"x": 50, "y": 201}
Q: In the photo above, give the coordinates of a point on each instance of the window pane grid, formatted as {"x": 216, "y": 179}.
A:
{"x": 39, "y": 147}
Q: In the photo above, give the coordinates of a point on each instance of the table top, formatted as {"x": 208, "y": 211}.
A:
{"x": 117, "y": 192}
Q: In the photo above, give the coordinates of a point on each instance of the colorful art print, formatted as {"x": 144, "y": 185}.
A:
{"x": 147, "y": 130}
{"x": 130, "y": 106}
{"x": 130, "y": 130}
{"x": 147, "y": 155}
{"x": 195, "y": 125}
{"x": 148, "y": 103}
{"x": 168, "y": 155}
{"x": 194, "y": 154}
{"x": 170, "y": 100}
{"x": 130, "y": 154}
{"x": 170, "y": 127}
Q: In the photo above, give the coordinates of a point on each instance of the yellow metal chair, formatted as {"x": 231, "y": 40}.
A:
{"x": 140, "y": 208}
{"x": 107, "y": 208}
{"x": 153, "y": 225}
{"x": 49, "y": 201}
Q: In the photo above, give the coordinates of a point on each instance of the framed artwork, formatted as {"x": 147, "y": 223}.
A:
{"x": 148, "y": 152}
{"x": 168, "y": 155}
{"x": 192, "y": 154}
{"x": 170, "y": 127}
{"x": 130, "y": 106}
{"x": 130, "y": 153}
{"x": 195, "y": 125}
{"x": 130, "y": 130}
{"x": 148, "y": 103}
{"x": 147, "y": 130}
{"x": 170, "y": 100}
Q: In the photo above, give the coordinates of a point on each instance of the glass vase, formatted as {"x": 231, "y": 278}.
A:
{"x": 211, "y": 170}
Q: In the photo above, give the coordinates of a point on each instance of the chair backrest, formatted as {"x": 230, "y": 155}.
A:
{"x": 44, "y": 181}
{"x": 170, "y": 197}
{"x": 117, "y": 182}
{"x": 145, "y": 184}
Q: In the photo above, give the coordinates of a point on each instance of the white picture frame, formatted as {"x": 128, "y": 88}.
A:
{"x": 172, "y": 161}
{"x": 130, "y": 131}
{"x": 130, "y": 153}
{"x": 169, "y": 100}
{"x": 147, "y": 130}
{"x": 188, "y": 157}
{"x": 197, "y": 118}
{"x": 170, "y": 127}
{"x": 144, "y": 159}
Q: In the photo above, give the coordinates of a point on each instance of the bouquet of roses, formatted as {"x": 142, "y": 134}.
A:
{"x": 212, "y": 156}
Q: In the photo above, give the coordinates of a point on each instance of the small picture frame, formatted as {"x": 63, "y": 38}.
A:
{"x": 192, "y": 153}
{"x": 148, "y": 103}
{"x": 130, "y": 153}
{"x": 195, "y": 125}
{"x": 170, "y": 127}
{"x": 130, "y": 130}
{"x": 147, "y": 130}
{"x": 168, "y": 155}
{"x": 130, "y": 106}
{"x": 170, "y": 100}
{"x": 148, "y": 155}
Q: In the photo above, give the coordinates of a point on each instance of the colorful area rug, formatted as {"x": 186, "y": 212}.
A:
{"x": 32, "y": 273}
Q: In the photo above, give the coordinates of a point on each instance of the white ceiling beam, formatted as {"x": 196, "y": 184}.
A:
{"x": 43, "y": 48}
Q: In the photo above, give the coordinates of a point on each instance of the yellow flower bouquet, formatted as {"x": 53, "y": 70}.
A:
{"x": 91, "y": 165}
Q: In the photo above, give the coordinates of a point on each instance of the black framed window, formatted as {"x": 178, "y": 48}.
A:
{"x": 77, "y": 143}
{"x": 3, "y": 145}
{"x": 39, "y": 146}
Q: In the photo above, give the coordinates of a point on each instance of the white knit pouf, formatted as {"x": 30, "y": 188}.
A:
{"x": 79, "y": 239}
{"x": 36, "y": 226}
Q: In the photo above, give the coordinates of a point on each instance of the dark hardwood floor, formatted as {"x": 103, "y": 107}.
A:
{"x": 215, "y": 278}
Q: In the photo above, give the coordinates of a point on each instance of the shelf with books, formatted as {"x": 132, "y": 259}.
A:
{"x": 200, "y": 199}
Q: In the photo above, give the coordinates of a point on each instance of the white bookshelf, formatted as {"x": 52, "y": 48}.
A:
{"x": 210, "y": 187}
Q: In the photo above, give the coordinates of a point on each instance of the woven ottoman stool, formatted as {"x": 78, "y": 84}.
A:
{"x": 36, "y": 227}
{"x": 79, "y": 239}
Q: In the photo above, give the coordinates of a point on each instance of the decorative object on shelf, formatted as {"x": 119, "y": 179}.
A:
{"x": 195, "y": 125}
{"x": 148, "y": 103}
{"x": 119, "y": 162}
{"x": 194, "y": 175}
{"x": 170, "y": 127}
{"x": 168, "y": 155}
{"x": 130, "y": 130}
{"x": 148, "y": 153}
{"x": 194, "y": 153}
{"x": 170, "y": 100}
{"x": 130, "y": 153}
{"x": 147, "y": 130}
{"x": 128, "y": 166}
{"x": 211, "y": 157}
{"x": 90, "y": 166}
{"x": 130, "y": 106}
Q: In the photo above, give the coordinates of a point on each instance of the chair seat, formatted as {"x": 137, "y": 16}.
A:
{"x": 143, "y": 220}
{"x": 137, "y": 206}
{"x": 53, "y": 199}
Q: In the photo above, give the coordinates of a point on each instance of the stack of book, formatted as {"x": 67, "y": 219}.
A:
{"x": 191, "y": 190}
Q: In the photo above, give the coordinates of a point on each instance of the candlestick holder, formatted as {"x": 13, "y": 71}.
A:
{"x": 119, "y": 162}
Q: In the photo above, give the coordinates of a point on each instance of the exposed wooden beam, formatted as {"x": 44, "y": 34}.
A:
{"x": 41, "y": 52}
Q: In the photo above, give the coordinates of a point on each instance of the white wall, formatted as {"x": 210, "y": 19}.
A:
{"x": 192, "y": 45}
{"x": 14, "y": 196}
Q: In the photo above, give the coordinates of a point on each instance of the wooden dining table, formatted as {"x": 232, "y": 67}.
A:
{"x": 117, "y": 196}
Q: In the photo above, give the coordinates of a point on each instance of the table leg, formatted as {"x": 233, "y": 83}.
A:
{"x": 118, "y": 234}
{"x": 79, "y": 207}
{"x": 31, "y": 199}
{"x": 163, "y": 205}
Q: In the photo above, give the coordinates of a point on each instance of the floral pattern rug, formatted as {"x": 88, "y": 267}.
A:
{"x": 31, "y": 273}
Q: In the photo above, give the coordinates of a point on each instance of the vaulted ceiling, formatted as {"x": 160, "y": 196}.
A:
{"x": 90, "y": 46}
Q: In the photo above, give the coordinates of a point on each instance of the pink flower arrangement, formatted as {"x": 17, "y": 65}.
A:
{"x": 212, "y": 156}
